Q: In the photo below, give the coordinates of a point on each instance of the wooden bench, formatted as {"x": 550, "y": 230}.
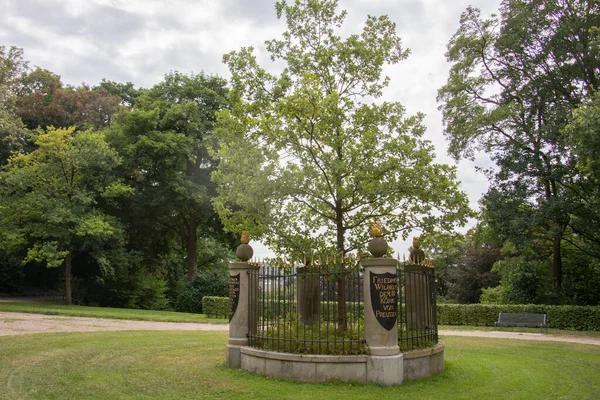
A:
{"x": 533, "y": 320}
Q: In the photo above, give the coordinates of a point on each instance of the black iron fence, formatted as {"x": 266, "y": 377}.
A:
{"x": 417, "y": 322}
{"x": 319, "y": 309}
{"x": 314, "y": 309}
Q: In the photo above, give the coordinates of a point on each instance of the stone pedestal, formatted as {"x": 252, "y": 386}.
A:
{"x": 381, "y": 306}
{"x": 307, "y": 297}
{"x": 243, "y": 291}
{"x": 417, "y": 298}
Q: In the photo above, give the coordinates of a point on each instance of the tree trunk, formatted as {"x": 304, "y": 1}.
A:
{"x": 68, "y": 298}
{"x": 192, "y": 225}
{"x": 341, "y": 283}
{"x": 557, "y": 265}
{"x": 191, "y": 243}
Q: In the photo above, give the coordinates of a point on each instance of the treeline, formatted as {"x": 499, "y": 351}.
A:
{"x": 111, "y": 183}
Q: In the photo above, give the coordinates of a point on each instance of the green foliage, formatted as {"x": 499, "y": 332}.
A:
{"x": 493, "y": 295}
{"x": 214, "y": 282}
{"x": 11, "y": 273}
{"x": 274, "y": 309}
{"x": 515, "y": 81}
{"x": 14, "y": 136}
{"x": 125, "y": 285}
{"x": 215, "y": 307}
{"x": 464, "y": 264}
{"x": 525, "y": 281}
{"x": 302, "y": 338}
{"x": 580, "y": 318}
{"x": 126, "y": 91}
{"x": 49, "y": 200}
{"x": 163, "y": 141}
{"x": 308, "y": 159}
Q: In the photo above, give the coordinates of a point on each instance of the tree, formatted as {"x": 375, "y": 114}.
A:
{"x": 307, "y": 161}
{"x": 164, "y": 143}
{"x": 126, "y": 91}
{"x": 514, "y": 82}
{"x": 14, "y": 137}
{"x": 43, "y": 101}
{"x": 48, "y": 201}
{"x": 583, "y": 136}
{"x": 464, "y": 263}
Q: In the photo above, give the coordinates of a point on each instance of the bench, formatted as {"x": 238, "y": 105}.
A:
{"x": 533, "y": 320}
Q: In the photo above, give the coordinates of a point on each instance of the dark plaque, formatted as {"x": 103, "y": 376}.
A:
{"x": 234, "y": 294}
{"x": 384, "y": 298}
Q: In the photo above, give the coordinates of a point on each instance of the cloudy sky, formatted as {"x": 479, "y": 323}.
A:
{"x": 139, "y": 41}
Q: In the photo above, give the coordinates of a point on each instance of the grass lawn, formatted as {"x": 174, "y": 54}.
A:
{"x": 180, "y": 365}
{"x": 106, "y": 312}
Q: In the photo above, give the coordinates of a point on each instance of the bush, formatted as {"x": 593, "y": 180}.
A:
{"x": 214, "y": 282}
{"x": 579, "y": 318}
{"x": 216, "y": 307}
{"x": 125, "y": 285}
{"x": 11, "y": 274}
{"x": 493, "y": 295}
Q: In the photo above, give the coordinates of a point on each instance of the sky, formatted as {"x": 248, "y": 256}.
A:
{"x": 140, "y": 41}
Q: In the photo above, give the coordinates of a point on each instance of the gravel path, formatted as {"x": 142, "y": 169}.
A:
{"x": 12, "y": 323}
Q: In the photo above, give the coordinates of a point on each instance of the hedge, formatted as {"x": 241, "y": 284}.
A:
{"x": 219, "y": 308}
{"x": 579, "y": 318}
{"x": 215, "y": 307}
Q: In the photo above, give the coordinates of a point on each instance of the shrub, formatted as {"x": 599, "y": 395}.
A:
{"x": 214, "y": 282}
{"x": 580, "y": 318}
{"x": 493, "y": 295}
{"x": 216, "y": 307}
{"x": 126, "y": 284}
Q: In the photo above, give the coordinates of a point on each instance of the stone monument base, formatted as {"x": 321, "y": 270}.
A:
{"x": 383, "y": 370}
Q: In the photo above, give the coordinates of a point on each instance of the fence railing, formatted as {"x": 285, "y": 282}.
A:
{"x": 417, "y": 322}
{"x": 319, "y": 309}
{"x": 306, "y": 309}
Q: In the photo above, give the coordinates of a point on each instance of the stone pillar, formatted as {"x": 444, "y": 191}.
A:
{"x": 243, "y": 294}
{"x": 381, "y": 314}
{"x": 307, "y": 296}
{"x": 417, "y": 305}
{"x": 381, "y": 306}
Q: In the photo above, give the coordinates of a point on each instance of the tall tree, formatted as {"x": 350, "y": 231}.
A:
{"x": 308, "y": 159}
{"x": 164, "y": 142}
{"x": 126, "y": 91}
{"x": 44, "y": 101}
{"x": 514, "y": 82}
{"x": 14, "y": 137}
{"x": 48, "y": 199}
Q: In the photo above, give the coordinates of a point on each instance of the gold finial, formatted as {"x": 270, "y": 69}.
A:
{"x": 376, "y": 229}
{"x": 245, "y": 237}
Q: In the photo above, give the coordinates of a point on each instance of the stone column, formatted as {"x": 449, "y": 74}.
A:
{"x": 381, "y": 306}
{"x": 243, "y": 293}
{"x": 308, "y": 295}
{"x": 417, "y": 304}
{"x": 381, "y": 314}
